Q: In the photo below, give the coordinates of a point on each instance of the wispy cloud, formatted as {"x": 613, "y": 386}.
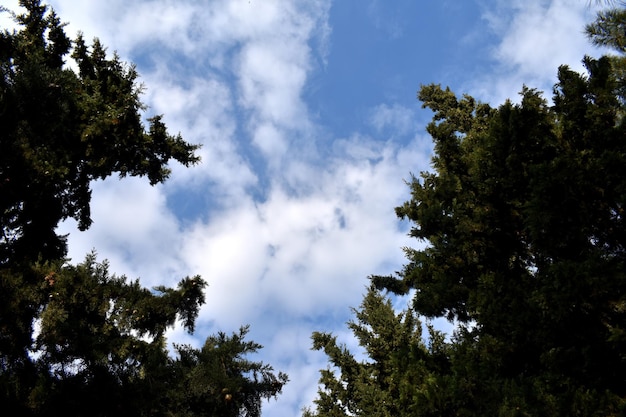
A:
{"x": 396, "y": 118}
{"x": 531, "y": 40}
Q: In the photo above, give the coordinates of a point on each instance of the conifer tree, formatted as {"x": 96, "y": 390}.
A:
{"x": 523, "y": 220}
{"x": 61, "y": 129}
{"x": 77, "y": 340}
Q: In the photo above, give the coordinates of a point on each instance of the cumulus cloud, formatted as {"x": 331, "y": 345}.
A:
{"x": 297, "y": 253}
{"x": 285, "y": 233}
{"x": 288, "y": 265}
{"x": 271, "y": 76}
{"x": 285, "y": 223}
{"x": 134, "y": 230}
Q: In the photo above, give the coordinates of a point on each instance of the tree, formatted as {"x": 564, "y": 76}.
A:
{"x": 399, "y": 371}
{"x": 76, "y": 340}
{"x": 101, "y": 351}
{"x": 217, "y": 380}
{"x": 101, "y": 348}
{"x": 609, "y": 31}
{"x": 523, "y": 216}
{"x": 62, "y": 129}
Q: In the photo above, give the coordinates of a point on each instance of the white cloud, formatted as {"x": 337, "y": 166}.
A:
{"x": 6, "y": 20}
{"x": 203, "y": 111}
{"x": 272, "y": 74}
{"x": 281, "y": 263}
{"x": 230, "y": 74}
{"x": 270, "y": 140}
{"x": 534, "y": 39}
{"x": 133, "y": 229}
{"x": 395, "y": 117}
{"x": 296, "y": 253}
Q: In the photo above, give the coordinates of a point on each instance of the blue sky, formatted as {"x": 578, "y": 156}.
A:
{"x": 307, "y": 113}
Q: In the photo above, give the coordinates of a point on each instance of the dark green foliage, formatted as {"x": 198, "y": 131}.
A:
{"x": 90, "y": 340}
{"x": 75, "y": 340}
{"x": 217, "y": 380}
{"x": 100, "y": 350}
{"x": 398, "y": 375}
{"x": 62, "y": 129}
{"x": 100, "y": 334}
{"x": 523, "y": 221}
{"x": 608, "y": 29}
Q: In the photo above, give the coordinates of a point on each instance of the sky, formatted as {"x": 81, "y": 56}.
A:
{"x": 307, "y": 115}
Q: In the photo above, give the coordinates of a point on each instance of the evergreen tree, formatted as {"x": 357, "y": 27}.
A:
{"x": 62, "y": 129}
{"x": 100, "y": 350}
{"x": 523, "y": 216}
{"x": 218, "y": 380}
{"x": 398, "y": 375}
{"x": 76, "y": 340}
